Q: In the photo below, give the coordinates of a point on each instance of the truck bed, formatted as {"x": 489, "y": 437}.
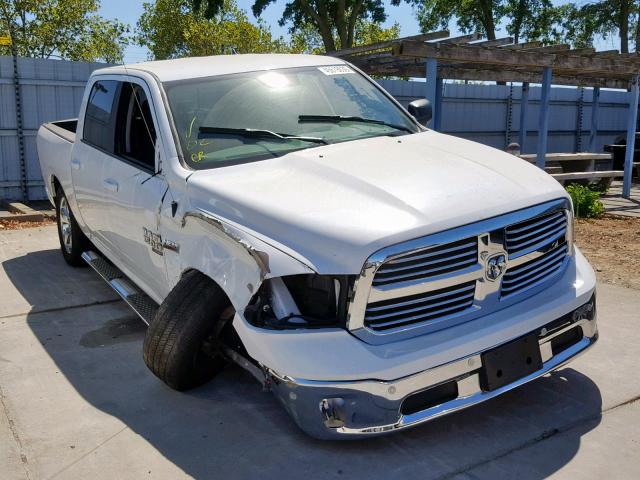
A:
{"x": 55, "y": 142}
{"x": 64, "y": 128}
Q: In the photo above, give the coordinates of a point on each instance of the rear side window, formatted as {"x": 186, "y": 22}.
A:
{"x": 135, "y": 132}
{"x": 98, "y": 119}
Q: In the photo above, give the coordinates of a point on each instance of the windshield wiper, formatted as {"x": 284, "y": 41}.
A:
{"x": 346, "y": 118}
{"x": 256, "y": 133}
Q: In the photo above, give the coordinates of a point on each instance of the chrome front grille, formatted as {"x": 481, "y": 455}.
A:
{"x": 533, "y": 272}
{"x": 423, "y": 307}
{"x": 425, "y": 264}
{"x": 531, "y": 235}
{"x": 447, "y": 278}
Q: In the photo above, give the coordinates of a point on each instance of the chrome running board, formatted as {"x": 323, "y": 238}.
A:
{"x": 139, "y": 301}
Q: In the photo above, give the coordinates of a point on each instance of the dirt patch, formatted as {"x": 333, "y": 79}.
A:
{"x": 612, "y": 245}
{"x": 8, "y": 224}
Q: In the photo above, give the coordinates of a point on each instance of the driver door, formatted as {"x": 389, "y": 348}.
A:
{"x": 136, "y": 191}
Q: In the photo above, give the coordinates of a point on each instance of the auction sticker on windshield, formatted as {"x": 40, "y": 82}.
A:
{"x": 335, "y": 70}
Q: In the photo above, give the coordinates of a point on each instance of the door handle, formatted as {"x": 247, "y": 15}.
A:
{"x": 110, "y": 185}
{"x": 75, "y": 164}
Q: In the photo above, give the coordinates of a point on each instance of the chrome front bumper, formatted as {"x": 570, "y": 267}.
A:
{"x": 370, "y": 407}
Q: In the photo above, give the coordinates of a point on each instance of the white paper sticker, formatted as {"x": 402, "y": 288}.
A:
{"x": 335, "y": 70}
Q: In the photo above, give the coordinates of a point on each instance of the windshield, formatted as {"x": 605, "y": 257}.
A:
{"x": 238, "y": 118}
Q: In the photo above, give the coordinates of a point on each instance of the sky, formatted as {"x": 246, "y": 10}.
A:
{"x": 128, "y": 11}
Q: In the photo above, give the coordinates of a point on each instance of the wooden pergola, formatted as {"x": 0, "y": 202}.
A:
{"x": 438, "y": 56}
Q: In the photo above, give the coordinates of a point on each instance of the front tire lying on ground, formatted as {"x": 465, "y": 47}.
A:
{"x": 179, "y": 346}
{"x": 72, "y": 241}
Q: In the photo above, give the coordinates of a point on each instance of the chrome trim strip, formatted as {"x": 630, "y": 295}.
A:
{"x": 431, "y": 253}
{"x": 463, "y": 288}
{"x": 465, "y": 303}
{"x": 552, "y": 218}
{"x": 425, "y": 274}
{"x": 554, "y": 221}
{"x": 384, "y": 270}
{"x": 528, "y": 247}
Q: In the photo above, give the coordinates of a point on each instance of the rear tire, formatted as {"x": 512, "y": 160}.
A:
{"x": 175, "y": 342}
{"x": 72, "y": 241}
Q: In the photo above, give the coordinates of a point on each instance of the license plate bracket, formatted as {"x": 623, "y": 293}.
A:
{"x": 510, "y": 362}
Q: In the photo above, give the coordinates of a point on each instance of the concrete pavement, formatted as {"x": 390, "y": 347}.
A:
{"x": 78, "y": 402}
{"x": 614, "y": 202}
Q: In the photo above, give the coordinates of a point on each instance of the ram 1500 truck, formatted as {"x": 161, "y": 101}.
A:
{"x": 285, "y": 213}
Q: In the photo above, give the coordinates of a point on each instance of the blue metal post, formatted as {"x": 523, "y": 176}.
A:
{"x": 631, "y": 135}
{"x": 437, "y": 119}
{"x": 432, "y": 86}
{"x": 524, "y": 104}
{"x": 543, "y": 126}
{"x": 595, "y": 104}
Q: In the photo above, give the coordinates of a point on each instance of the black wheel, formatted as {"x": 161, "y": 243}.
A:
{"x": 72, "y": 241}
{"x": 180, "y": 344}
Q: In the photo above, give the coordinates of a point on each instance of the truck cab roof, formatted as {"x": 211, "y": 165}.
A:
{"x": 200, "y": 67}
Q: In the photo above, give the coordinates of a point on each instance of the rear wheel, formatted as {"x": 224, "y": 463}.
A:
{"x": 72, "y": 241}
{"x": 180, "y": 346}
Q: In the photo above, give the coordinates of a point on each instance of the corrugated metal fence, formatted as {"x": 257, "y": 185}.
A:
{"x": 490, "y": 114}
{"x": 52, "y": 90}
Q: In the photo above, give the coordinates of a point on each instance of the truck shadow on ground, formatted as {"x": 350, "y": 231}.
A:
{"x": 230, "y": 428}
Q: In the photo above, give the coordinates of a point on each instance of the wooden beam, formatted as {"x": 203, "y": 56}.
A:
{"x": 498, "y": 42}
{"x": 414, "y": 67}
{"x": 607, "y": 53}
{"x": 472, "y": 37}
{"x": 579, "y": 51}
{"x": 523, "y": 46}
{"x": 423, "y": 37}
{"x": 519, "y": 58}
{"x": 585, "y": 175}
{"x": 562, "y": 47}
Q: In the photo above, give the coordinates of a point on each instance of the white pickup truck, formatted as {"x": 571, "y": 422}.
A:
{"x": 285, "y": 213}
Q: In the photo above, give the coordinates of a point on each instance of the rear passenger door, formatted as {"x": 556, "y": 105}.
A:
{"x": 90, "y": 156}
{"x": 138, "y": 190}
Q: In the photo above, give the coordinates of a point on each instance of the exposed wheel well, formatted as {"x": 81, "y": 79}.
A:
{"x": 188, "y": 270}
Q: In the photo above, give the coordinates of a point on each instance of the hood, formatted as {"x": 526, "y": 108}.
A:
{"x": 337, "y": 204}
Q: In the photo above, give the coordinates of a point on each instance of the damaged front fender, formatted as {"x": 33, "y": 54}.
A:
{"x": 235, "y": 259}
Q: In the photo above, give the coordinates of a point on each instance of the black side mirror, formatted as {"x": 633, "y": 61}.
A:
{"x": 421, "y": 110}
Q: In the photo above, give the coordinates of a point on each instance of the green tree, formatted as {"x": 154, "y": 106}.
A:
{"x": 68, "y": 29}
{"x": 177, "y": 28}
{"x": 335, "y": 21}
{"x": 603, "y": 18}
{"x": 471, "y": 15}
{"x": 535, "y": 20}
{"x": 306, "y": 38}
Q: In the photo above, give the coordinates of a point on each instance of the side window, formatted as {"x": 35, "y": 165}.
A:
{"x": 135, "y": 133}
{"x": 98, "y": 124}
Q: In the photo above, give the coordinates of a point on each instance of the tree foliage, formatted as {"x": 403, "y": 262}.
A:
{"x": 543, "y": 20}
{"x": 603, "y": 19}
{"x": 531, "y": 20}
{"x": 68, "y": 29}
{"x": 306, "y": 38}
{"x": 175, "y": 28}
{"x": 335, "y": 21}
{"x": 470, "y": 15}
